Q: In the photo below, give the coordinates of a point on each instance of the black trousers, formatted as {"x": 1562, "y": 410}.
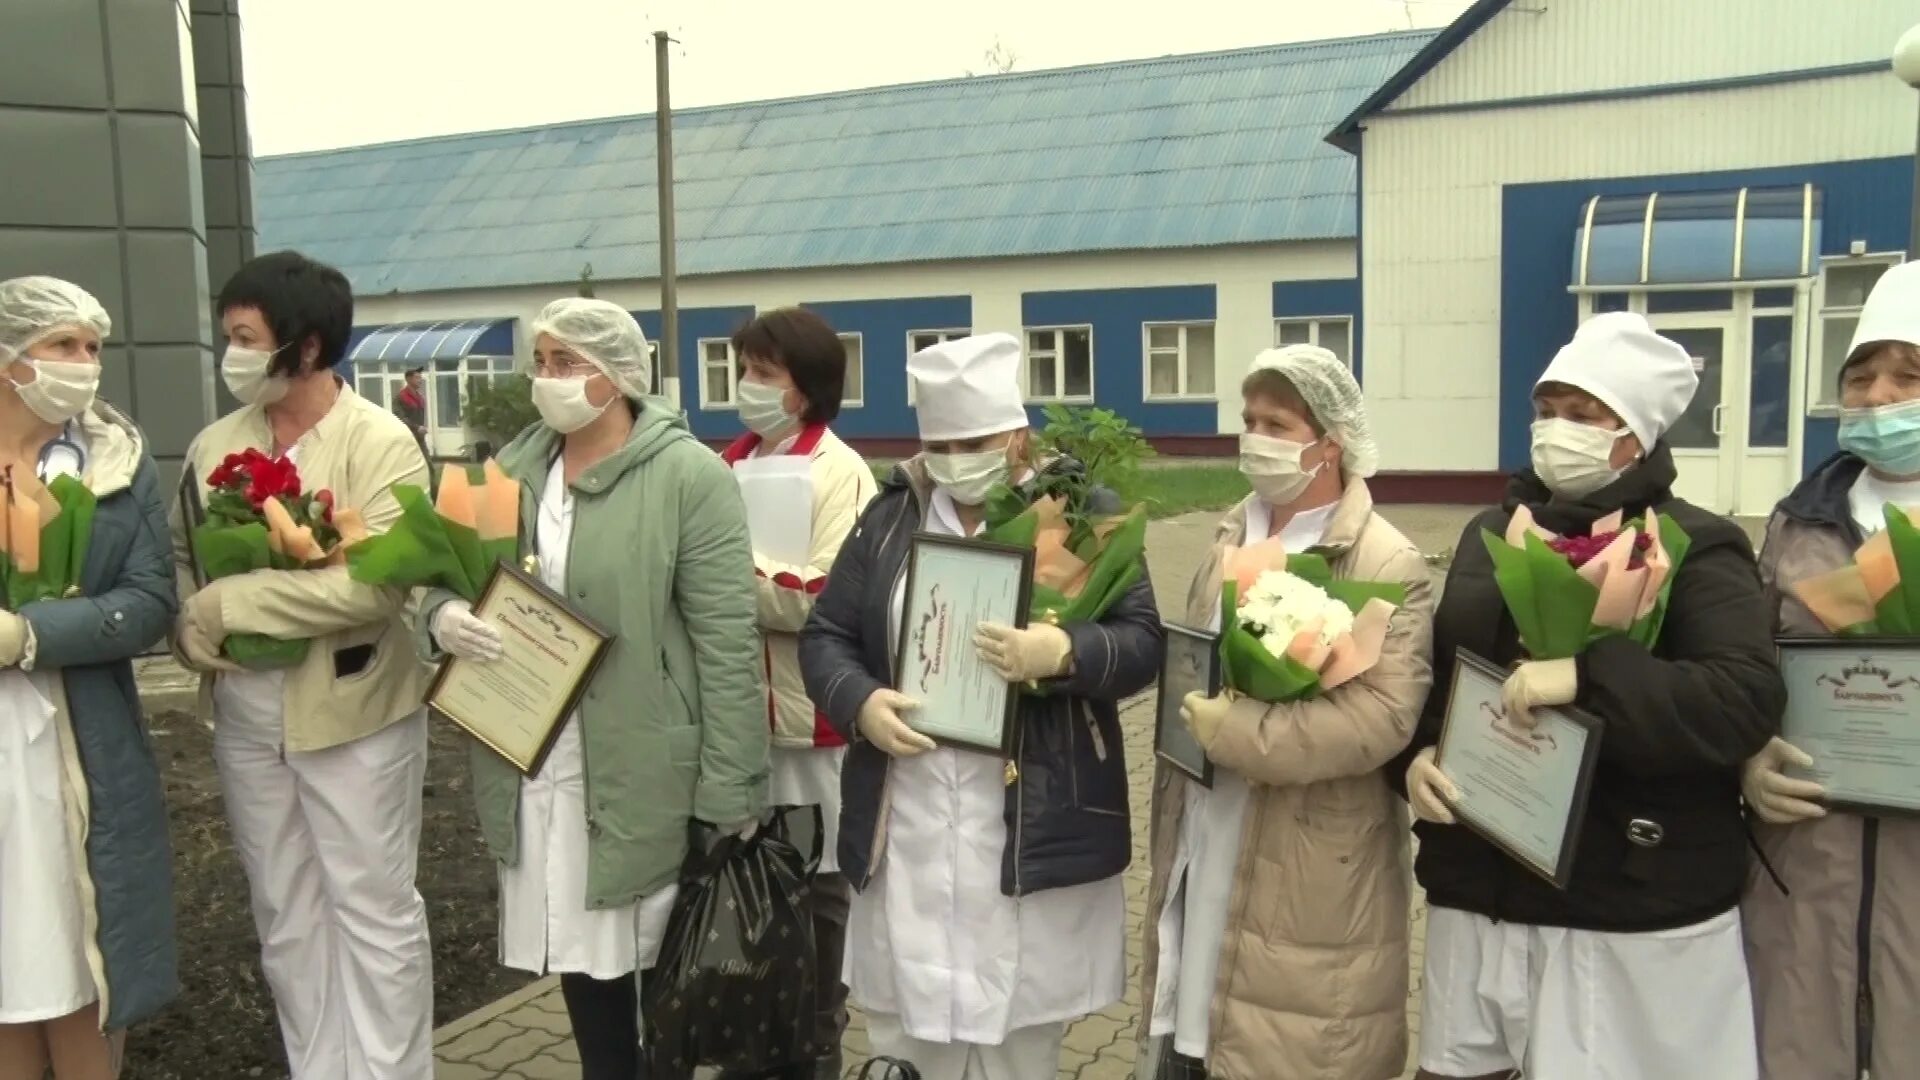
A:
{"x": 1178, "y": 1066}
{"x": 606, "y": 1027}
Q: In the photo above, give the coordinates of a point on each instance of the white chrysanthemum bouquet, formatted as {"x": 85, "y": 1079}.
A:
{"x": 1290, "y": 630}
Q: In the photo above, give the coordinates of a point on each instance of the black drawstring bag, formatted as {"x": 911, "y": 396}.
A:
{"x": 734, "y": 987}
{"x": 886, "y": 1068}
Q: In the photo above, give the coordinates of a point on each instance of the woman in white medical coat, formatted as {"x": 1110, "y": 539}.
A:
{"x": 990, "y": 909}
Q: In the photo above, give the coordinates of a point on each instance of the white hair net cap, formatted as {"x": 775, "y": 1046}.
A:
{"x": 603, "y": 333}
{"x": 1329, "y": 389}
{"x": 34, "y": 308}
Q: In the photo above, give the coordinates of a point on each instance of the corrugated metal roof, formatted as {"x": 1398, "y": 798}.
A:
{"x": 1184, "y": 151}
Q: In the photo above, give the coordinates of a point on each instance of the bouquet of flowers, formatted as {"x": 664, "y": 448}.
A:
{"x": 1290, "y": 630}
{"x": 259, "y": 517}
{"x": 1566, "y": 591}
{"x": 44, "y": 531}
{"x": 1869, "y": 597}
{"x": 1082, "y": 562}
{"x": 450, "y": 544}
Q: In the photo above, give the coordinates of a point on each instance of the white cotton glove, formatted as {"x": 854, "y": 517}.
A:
{"x": 13, "y": 639}
{"x": 1204, "y": 715}
{"x": 199, "y": 647}
{"x": 1429, "y": 790}
{"x": 1041, "y": 651}
{"x": 1779, "y": 799}
{"x": 880, "y": 724}
{"x": 462, "y": 634}
{"x": 1538, "y": 683}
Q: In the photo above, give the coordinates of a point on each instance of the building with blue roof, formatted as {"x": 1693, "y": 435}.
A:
{"x": 1739, "y": 171}
{"x": 1146, "y": 227}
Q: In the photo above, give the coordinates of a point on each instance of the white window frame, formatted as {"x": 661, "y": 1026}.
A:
{"x": 1059, "y": 354}
{"x": 943, "y": 335}
{"x": 1179, "y": 352}
{"x": 854, "y": 340}
{"x": 707, "y": 404}
{"x": 1823, "y": 394}
{"x": 1313, "y": 324}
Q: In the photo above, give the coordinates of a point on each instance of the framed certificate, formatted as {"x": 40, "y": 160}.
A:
{"x": 1853, "y": 704}
{"x": 953, "y": 586}
{"x": 1525, "y": 790}
{"x": 516, "y": 704}
{"x": 1192, "y": 662}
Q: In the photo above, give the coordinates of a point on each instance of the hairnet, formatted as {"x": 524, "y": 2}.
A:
{"x": 1334, "y": 398}
{"x": 33, "y": 308}
{"x": 603, "y": 333}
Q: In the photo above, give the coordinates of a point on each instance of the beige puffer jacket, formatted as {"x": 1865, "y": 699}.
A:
{"x": 1313, "y": 968}
{"x": 1840, "y": 947}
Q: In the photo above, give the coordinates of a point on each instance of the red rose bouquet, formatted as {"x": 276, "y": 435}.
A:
{"x": 258, "y": 517}
{"x": 1565, "y": 591}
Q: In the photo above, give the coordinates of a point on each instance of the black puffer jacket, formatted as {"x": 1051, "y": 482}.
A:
{"x": 1068, "y": 807}
{"x": 1680, "y": 720}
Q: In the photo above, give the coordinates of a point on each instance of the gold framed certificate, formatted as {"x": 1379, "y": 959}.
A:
{"x": 953, "y": 586}
{"x": 516, "y": 704}
{"x": 1191, "y": 662}
{"x": 1853, "y": 704}
{"x": 1524, "y": 790}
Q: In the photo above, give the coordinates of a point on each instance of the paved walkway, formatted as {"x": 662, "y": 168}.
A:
{"x": 526, "y": 1036}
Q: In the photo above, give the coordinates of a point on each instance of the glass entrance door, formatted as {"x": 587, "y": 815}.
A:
{"x": 1709, "y": 436}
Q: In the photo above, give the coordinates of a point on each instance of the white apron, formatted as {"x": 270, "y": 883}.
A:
{"x": 1206, "y": 860}
{"x": 43, "y": 945}
{"x": 545, "y": 925}
{"x": 932, "y": 941}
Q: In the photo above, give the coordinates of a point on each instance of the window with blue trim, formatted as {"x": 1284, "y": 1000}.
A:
{"x": 1333, "y": 333}
{"x": 1060, "y": 363}
{"x": 1179, "y": 358}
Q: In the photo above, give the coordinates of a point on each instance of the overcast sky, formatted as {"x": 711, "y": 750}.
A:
{"x": 328, "y": 73}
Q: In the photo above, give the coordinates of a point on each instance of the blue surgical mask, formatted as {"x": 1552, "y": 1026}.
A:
{"x": 1887, "y": 437}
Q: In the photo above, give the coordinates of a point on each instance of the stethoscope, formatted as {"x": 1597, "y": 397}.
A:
{"x": 62, "y": 456}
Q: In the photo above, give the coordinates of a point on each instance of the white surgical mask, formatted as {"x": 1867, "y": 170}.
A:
{"x": 563, "y": 404}
{"x": 967, "y": 478}
{"x": 60, "y": 390}
{"x": 1574, "y": 459}
{"x": 1273, "y": 467}
{"x": 245, "y": 373}
{"x": 763, "y": 409}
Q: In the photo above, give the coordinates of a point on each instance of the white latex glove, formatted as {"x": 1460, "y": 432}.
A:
{"x": 1203, "y": 716}
{"x": 13, "y": 639}
{"x": 1537, "y": 683}
{"x": 880, "y": 724}
{"x": 1041, "y": 651}
{"x": 1779, "y": 799}
{"x": 462, "y": 634}
{"x": 1429, "y": 790}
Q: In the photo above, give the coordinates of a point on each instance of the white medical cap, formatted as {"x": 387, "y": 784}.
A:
{"x": 1333, "y": 397}
{"x": 603, "y": 333}
{"x": 968, "y": 387}
{"x": 1892, "y": 312}
{"x": 34, "y": 308}
{"x": 1647, "y": 380}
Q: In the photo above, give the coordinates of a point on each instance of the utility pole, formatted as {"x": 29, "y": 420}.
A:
{"x": 669, "y": 351}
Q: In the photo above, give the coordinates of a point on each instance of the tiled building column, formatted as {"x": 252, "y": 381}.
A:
{"x": 101, "y": 183}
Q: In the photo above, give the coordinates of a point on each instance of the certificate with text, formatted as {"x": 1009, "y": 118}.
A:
{"x": 1191, "y": 664}
{"x": 1853, "y": 704}
{"x": 1524, "y": 789}
{"x": 952, "y": 586}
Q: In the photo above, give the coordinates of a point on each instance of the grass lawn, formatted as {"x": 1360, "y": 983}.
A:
{"x": 1168, "y": 489}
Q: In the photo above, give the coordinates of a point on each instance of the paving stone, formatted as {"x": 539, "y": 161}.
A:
{"x": 523, "y": 1047}
{"x": 478, "y": 1041}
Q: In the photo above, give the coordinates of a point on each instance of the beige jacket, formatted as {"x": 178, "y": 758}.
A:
{"x": 843, "y": 485}
{"x": 1313, "y": 967}
{"x": 363, "y": 672}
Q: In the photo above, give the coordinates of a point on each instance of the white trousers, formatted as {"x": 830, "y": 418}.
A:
{"x": 330, "y": 841}
{"x": 1563, "y": 1004}
{"x": 1029, "y": 1053}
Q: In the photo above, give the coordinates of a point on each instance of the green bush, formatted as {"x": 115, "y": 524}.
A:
{"x": 1111, "y": 449}
{"x": 496, "y": 410}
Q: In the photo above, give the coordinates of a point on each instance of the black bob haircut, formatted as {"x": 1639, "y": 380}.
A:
{"x": 298, "y": 299}
{"x": 802, "y": 343}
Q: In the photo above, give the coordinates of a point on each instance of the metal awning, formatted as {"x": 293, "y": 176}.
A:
{"x": 420, "y": 343}
{"x": 1680, "y": 237}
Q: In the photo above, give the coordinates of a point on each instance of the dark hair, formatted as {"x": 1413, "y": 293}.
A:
{"x": 411, "y": 372}
{"x": 812, "y": 354}
{"x": 1279, "y": 389}
{"x": 299, "y": 299}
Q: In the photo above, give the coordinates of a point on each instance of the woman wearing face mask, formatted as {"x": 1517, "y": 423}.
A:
{"x": 1829, "y": 939}
{"x": 1252, "y": 974}
{"x": 792, "y": 369}
{"x": 86, "y": 925}
{"x": 990, "y": 908}
{"x": 321, "y": 764}
{"x": 641, "y": 528}
{"x": 1636, "y": 969}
